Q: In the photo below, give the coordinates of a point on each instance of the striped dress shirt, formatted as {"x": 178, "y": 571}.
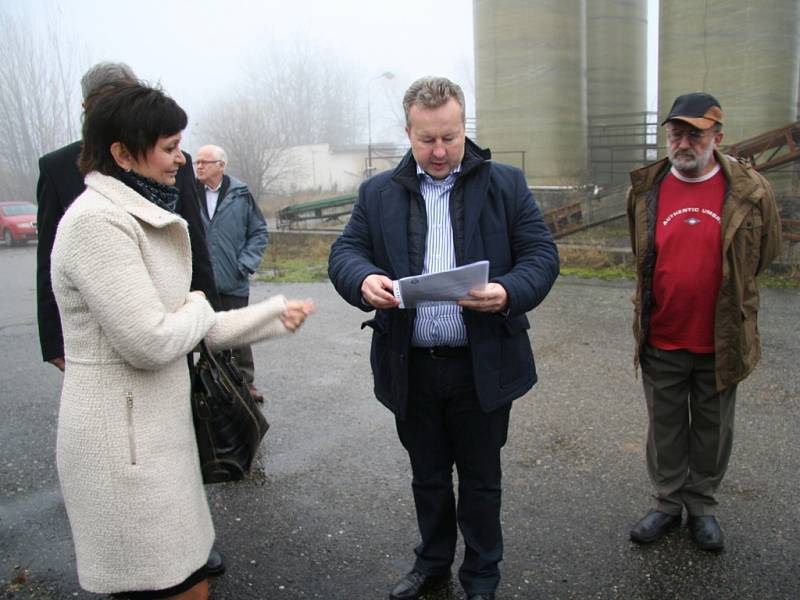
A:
{"x": 438, "y": 323}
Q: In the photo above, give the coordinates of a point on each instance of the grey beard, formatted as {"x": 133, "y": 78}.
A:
{"x": 691, "y": 166}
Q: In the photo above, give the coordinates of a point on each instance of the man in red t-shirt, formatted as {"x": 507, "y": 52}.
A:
{"x": 702, "y": 226}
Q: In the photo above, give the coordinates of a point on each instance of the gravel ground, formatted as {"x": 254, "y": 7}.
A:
{"x": 329, "y": 513}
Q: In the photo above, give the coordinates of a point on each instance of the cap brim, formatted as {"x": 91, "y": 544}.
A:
{"x": 697, "y": 122}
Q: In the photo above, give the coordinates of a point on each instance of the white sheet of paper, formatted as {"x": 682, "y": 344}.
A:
{"x": 445, "y": 286}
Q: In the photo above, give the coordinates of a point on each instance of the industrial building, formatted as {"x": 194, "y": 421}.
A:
{"x": 561, "y": 91}
{"x": 561, "y": 86}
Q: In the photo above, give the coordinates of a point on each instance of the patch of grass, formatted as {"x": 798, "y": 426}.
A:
{"x": 605, "y": 273}
{"x": 789, "y": 279}
{"x": 296, "y": 260}
{"x": 302, "y": 259}
{"x": 295, "y": 270}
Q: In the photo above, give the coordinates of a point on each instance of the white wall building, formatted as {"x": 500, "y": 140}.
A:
{"x": 322, "y": 168}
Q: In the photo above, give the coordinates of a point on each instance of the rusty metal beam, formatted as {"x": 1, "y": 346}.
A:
{"x": 565, "y": 219}
{"x": 771, "y": 149}
{"x": 791, "y": 229}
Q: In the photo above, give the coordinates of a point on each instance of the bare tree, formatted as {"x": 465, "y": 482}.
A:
{"x": 251, "y": 137}
{"x": 312, "y": 89}
{"x": 296, "y": 95}
{"x": 38, "y": 100}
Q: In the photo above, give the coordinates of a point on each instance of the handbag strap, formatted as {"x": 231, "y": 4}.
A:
{"x": 207, "y": 354}
{"x": 214, "y": 365}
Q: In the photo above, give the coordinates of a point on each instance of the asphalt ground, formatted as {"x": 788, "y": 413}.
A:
{"x": 328, "y": 512}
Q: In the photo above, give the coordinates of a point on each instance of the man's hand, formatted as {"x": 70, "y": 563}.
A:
{"x": 58, "y": 362}
{"x": 492, "y": 298}
{"x": 378, "y": 291}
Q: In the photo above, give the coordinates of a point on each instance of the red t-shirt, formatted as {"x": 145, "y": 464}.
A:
{"x": 688, "y": 270}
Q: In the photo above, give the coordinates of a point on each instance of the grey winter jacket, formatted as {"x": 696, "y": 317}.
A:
{"x": 237, "y": 236}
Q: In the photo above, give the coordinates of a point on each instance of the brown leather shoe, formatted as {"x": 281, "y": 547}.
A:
{"x": 255, "y": 393}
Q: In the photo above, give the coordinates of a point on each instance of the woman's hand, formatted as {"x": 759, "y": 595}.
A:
{"x": 295, "y": 313}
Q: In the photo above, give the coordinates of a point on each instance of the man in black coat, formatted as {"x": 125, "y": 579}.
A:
{"x": 448, "y": 371}
{"x": 60, "y": 183}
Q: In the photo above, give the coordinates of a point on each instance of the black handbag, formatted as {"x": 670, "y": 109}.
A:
{"x": 228, "y": 425}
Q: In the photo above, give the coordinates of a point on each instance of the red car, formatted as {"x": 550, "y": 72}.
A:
{"x": 17, "y": 222}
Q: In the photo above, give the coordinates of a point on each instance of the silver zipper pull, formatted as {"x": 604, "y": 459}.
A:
{"x": 131, "y": 436}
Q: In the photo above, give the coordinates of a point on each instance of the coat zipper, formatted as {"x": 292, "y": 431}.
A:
{"x": 131, "y": 436}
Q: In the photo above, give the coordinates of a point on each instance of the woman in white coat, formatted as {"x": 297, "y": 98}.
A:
{"x": 121, "y": 268}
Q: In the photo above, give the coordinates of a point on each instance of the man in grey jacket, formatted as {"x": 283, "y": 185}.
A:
{"x": 236, "y": 233}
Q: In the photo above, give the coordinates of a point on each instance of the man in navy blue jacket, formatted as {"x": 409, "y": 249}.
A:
{"x": 448, "y": 370}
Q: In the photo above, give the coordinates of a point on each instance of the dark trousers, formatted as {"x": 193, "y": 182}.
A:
{"x": 243, "y": 355}
{"x": 446, "y": 426}
{"x": 690, "y": 432}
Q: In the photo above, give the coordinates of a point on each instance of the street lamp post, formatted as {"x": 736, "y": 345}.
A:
{"x": 384, "y": 75}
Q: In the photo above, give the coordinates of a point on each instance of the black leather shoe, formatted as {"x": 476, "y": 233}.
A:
{"x": 481, "y": 597}
{"x": 706, "y": 533}
{"x": 215, "y": 565}
{"x": 654, "y": 526}
{"x": 414, "y": 584}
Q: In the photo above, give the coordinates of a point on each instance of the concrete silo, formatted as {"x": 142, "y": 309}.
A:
{"x": 745, "y": 53}
{"x": 616, "y": 92}
{"x": 530, "y": 86}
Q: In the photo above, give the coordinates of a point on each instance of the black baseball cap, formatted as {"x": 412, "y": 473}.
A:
{"x": 698, "y": 109}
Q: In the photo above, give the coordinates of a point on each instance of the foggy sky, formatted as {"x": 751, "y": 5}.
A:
{"x": 198, "y": 49}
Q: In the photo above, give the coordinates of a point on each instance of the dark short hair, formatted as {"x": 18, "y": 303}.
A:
{"x": 134, "y": 114}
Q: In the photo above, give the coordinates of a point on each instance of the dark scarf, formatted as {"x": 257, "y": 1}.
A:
{"x": 163, "y": 196}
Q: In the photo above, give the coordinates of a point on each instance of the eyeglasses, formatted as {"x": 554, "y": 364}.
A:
{"x": 203, "y": 163}
{"x": 676, "y": 135}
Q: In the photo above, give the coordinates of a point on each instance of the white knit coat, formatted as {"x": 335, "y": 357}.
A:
{"x": 126, "y": 451}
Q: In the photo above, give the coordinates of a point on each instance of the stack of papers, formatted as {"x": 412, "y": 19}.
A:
{"x": 445, "y": 286}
